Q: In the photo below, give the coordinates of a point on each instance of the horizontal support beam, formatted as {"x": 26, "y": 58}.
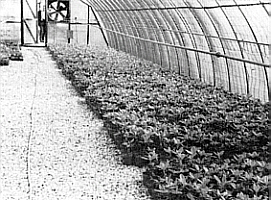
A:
{"x": 217, "y": 54}
{"x": 79, "y": 23}
{"x": 191, "y": 33}
{"x": 10, "y": 22}
{"x": 181, "y": 7}
{"x": 74, "y": 23}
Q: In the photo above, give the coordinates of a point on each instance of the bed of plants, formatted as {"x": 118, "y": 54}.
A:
{"x": 196, "y": 141}
{"x": 4, "y": 57}
{"x": 9, "y": 50}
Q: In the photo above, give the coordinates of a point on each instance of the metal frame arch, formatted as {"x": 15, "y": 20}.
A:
{"x": 92, "y": 9}
{"x": 148, "y": 55}
{"x": 110, "y": 35}
{"x": 264, "y": 7}
{"x": 152, "y": 17}
{"x": 119, "y": 39}
{"x": 171, "y": 23}
{"x": 209, "y": 43}
{"x": 259, "y": 48}
{"x": 239, "y": 45}
{"x": 116, "y": 43}
{"x": 266, "y": 74}
{"x": 221, "y": 42}
{"x": 118, "y": 24}
{"x": 142, "y": 45}
{"x": 157, "y": 35}
{"x": 159, "y": 16}
{"x": 246, "y": 84}
{"x": 115, "y": 18}
{"x": 134, "y": 31}
{"x": 192, "y": 38}
{"x": 113, "y": 41}
{"x": 137, "y": 42}
{"x": 251, "y": 29}
{"x": 119, "y": 15}
{"x": 180, "y": 38}
{"x": 97, "y": 7}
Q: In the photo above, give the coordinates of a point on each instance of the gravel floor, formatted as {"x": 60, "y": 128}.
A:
{"x": 52, "y": 147}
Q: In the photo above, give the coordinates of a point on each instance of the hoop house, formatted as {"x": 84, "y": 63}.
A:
{"x": 221, "y": 42}
{"x": 224, "y": 43}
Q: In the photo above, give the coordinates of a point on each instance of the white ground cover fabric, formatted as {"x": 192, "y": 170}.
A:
{"x": 51, "y": 146}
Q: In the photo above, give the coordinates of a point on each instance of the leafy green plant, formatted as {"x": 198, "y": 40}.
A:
{"x": 196, "y": 141}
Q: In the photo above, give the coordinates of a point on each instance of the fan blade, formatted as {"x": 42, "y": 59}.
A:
{"x": 50, "y": 13}
{"x": 58, "y": 4}
{"x": 64, "y": 16}
{"x": 62, "y": 8}
{"x": 56, "y": 16}
{"x": 53, "y": 8}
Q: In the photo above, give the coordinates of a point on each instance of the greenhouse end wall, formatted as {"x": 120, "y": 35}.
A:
{"x": 82, "y": 33}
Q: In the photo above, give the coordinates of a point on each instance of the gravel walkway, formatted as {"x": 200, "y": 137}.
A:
{"x": 52, "y": 147}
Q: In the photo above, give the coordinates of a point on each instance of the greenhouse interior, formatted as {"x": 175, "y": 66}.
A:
{"x": 135, "y": 99}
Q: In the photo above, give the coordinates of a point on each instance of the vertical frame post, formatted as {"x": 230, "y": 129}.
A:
{"x": 69, "y": 23}
{"x": 22, "y": 22}
{"x": 46, "y": 23}
{"x": 88, "y": 26}
{"x": 238, "y": 42}
{"x": 37, "y": 27}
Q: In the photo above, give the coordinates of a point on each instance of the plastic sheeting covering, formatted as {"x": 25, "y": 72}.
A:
{"x": 221, "y": 42}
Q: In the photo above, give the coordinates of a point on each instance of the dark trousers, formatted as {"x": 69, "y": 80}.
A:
{"x": 42, "y": 32}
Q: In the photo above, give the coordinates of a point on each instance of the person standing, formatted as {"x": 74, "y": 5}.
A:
{"x": 42, "y": 30}
{"x": 42, "y": 25}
